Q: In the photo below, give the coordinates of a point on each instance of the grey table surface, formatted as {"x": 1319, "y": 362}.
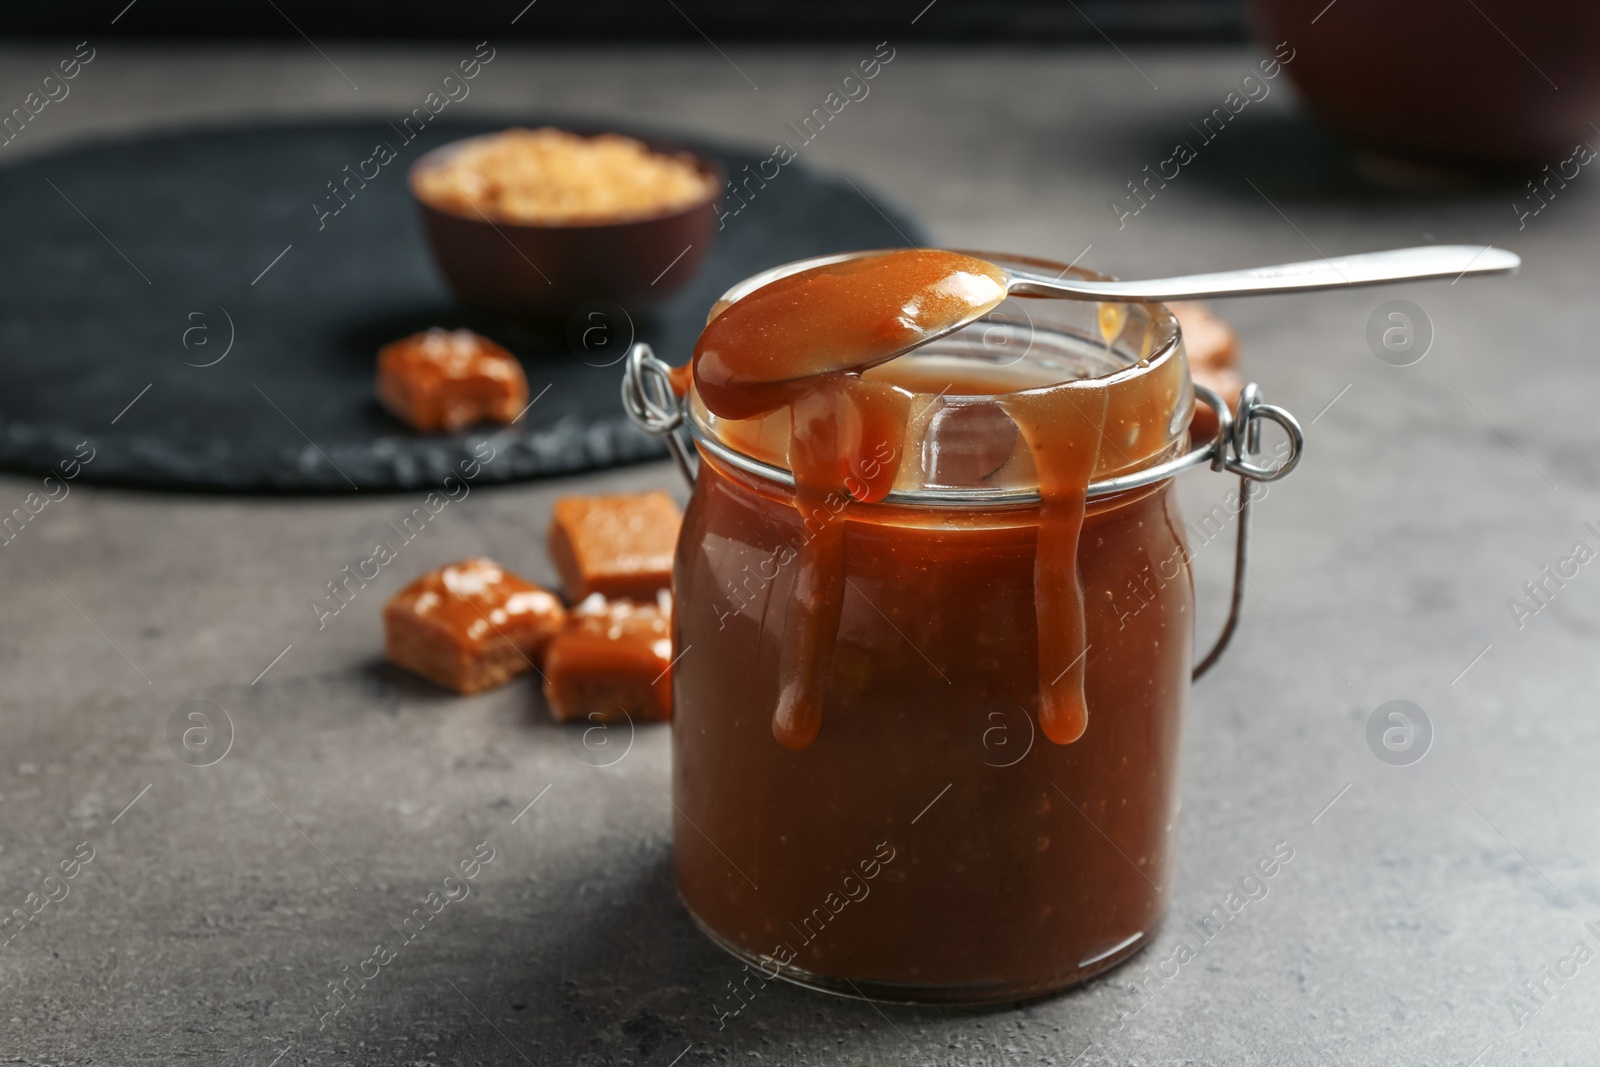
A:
{"x": 1420, "y": 902}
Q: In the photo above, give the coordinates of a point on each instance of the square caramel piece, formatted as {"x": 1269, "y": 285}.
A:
{"x": 619, "y": 545}
{"x": 450, "y": 379}
{"x": 612, "y": 661}
{"x": 470, "y": 626}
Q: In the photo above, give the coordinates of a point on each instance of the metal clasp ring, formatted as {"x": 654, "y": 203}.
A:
{"x": 649, "y": 400}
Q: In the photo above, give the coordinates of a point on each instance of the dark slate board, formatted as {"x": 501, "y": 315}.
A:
{"x": 128, "y": 262}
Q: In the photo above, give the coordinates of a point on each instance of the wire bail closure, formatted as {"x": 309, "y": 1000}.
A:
{"x": 649, "y": 399}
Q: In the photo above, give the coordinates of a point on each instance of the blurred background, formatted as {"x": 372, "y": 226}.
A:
{"x": 1426, "y": 893}
{"x": 643, "y": 20}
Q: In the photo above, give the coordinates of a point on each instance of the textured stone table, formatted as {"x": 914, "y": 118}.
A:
{"x": 221, "y": 901}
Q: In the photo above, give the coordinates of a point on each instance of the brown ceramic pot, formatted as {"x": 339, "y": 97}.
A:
{"x": 1482, "y": 85}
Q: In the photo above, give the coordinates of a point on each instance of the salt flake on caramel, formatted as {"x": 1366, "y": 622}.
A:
{"x": 449, "y": 380}
{"x": 470, "y": 626}
{"x": 612, "y": 662}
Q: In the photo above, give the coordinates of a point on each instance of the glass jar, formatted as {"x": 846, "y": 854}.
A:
{"x": 931, "y": 843}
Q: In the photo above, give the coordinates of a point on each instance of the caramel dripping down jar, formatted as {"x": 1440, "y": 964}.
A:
{"x": 932, "y": 844}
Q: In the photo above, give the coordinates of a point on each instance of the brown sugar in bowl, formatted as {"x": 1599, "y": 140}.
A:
{"x": 537, "y": 270}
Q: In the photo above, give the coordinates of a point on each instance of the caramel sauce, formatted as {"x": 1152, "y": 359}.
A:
{"x": 953, "y": 650}
{"x": 1037, "y": 859}
{"x": 800, "y": 344}
{"x": 776, "y": 343}
{"x": 834, "y": 427}
{"x": 1063, "y": 428}
{"x": 807, "y": 344}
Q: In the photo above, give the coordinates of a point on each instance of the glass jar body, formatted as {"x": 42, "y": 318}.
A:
{"x": 931, "y": 845}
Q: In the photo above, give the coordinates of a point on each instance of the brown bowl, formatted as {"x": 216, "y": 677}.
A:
{"x": 545, "y": 271}
{"x": 1438, "y": 82}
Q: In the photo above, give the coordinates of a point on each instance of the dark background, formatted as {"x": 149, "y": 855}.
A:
{"x": 653, "y": 20}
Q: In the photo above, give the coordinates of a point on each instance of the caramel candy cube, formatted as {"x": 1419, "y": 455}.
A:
{"x": 619, "y": 545}
{"x": 449, "y": 380}
{"x": 613, "y": 661}
{"x": 470, "y": 626}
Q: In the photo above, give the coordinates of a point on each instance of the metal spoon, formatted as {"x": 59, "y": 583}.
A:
{"x": 1368, "y": 268}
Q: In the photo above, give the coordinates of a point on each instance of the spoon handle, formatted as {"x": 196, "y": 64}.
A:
{"x": 1369, "y": 268}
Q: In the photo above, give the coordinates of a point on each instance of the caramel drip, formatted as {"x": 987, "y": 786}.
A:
{"x": 800, "y": 343}
{"x": 1063, "y": 428}
{"x": 1113, "y": 317}
{"x": 845, "y": 443}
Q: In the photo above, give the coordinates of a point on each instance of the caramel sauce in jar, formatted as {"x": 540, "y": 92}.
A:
{"x": 926, "y": 739}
